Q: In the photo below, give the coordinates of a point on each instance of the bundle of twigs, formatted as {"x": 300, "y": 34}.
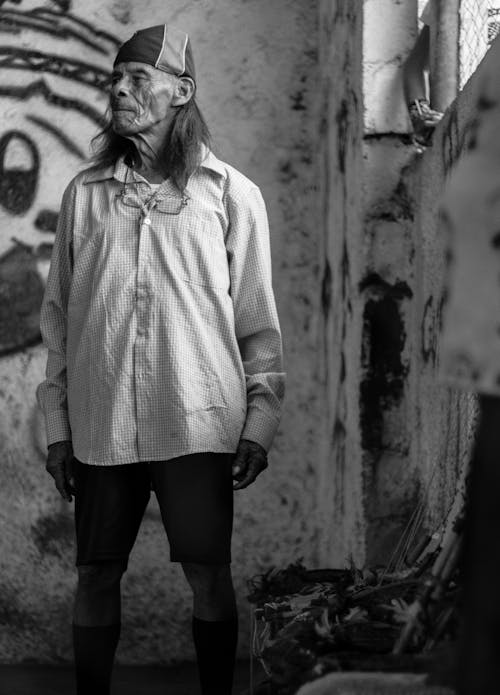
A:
{"x": 307, "y": 623}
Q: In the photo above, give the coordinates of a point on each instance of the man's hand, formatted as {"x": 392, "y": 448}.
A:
{"x": 60, "y": 467}
{"x": 250, "y": 460}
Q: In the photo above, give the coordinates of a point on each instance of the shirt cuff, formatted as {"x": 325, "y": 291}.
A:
{"x": 57, "y": 427}
{"x": 260, "y": 427}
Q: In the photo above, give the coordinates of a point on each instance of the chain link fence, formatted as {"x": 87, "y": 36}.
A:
{"x": 479, "y": 25}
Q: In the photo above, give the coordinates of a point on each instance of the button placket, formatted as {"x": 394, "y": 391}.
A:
{"x": 142, "y": 295}
{"x": 142, "y": 306}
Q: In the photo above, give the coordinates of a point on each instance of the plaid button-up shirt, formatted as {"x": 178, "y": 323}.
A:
{"x": 159, "y": 318}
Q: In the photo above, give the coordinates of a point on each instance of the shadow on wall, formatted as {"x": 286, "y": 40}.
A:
{"x": 53, "y": 96}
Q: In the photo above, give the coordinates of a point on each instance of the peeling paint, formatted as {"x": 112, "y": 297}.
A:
{"x": 431, "y": 328}
{"x": 399, "y": 206}
{"x": 339, "y": 436}
{"x": 457, "y": 138}
{"x": 385, "y": 371}
{"x": 326, "y": 290}
{"x": 342, "y": 118}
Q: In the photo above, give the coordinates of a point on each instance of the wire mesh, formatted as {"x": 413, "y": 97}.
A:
{"x": 479, "y": 25}
{"x": 493, "y": 23}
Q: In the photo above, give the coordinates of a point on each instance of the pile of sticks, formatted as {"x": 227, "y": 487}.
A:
{"x": 307, "y": 623}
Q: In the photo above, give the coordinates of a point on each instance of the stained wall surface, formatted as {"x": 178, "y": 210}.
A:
{"x": 341, "y": 262}
{"x": 388, "y": 284}
{"x": 416, "y": 432}
{"x": 257, "y": 67}
{"x": 446, "y": 416}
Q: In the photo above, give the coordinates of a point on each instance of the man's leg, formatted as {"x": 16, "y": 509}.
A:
{"x": 109, "y": 505}
{"x": 215, "y": 625}
{"x": 96, "y": 626}
{"x": 195, "y": 494}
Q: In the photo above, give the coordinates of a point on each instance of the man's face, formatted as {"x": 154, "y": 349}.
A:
{"x": 141, "y": 97}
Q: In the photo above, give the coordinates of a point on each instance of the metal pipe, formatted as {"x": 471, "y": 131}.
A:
{"x": 444, "y": 55}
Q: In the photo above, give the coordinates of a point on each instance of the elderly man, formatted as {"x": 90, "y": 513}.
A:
{"x": 164, "y": 363}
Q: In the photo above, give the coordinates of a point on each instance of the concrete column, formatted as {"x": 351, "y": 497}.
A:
{"x": 387, "y": 388}
{"x": 390, "y": 30}
{"x": 445, "y": 54}
{"x": 340, "y": 491}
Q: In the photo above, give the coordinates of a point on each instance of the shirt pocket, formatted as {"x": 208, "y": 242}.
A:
{"x": 198, "y": 247}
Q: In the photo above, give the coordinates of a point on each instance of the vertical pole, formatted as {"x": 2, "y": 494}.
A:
{"x": 444, "y": 59}
{"x": 341, "y": 244}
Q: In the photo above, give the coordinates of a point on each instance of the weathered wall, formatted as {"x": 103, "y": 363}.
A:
{"x": 257, "y": 70}
{"x": 390, "y": 467}
{"x": 445, "y": 416}
{"x": 416, "y": 432}
{"x": 367, "y": 433}
{"x": 341, "y": 259}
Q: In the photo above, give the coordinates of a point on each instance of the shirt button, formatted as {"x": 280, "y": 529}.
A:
{"x": 147, "y": 221}
{"x": 141, "y": 330}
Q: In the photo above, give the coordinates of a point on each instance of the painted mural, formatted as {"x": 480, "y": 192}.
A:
{"x": 54, "y": 75}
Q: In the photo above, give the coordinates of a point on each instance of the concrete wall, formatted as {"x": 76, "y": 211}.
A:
{"x": 446, "y": 417}
{"x": 416, "y": 433}
{"x": 388, "y": 288}
{"x": 367, "y": 433}
{"x": 341, "y": 262}
{"x": 257, "y": 69}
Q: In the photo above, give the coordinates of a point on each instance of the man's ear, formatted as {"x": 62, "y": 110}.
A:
{"x": 184, "y": 91}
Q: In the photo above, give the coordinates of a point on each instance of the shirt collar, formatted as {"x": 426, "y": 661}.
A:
{"x": 116, "y": 171}
{"x": 210, "y": 161}
{"x": 119, "y": 170}
{"x": 95, "y": 174}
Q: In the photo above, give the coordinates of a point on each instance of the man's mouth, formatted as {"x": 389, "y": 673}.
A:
{"x": 117, "y": 106}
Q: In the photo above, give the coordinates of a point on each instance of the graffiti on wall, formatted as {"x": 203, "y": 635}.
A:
{"x": 54, "y": 76}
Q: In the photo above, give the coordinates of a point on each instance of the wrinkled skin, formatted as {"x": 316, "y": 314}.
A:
{"x": 249, "y": 462}
{"x": 143, "y": 103}
{"x": 60, "y": 466}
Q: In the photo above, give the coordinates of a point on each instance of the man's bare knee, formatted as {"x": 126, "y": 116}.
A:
{"x": 207, "y": 579}
{"x": 97, "y": 578}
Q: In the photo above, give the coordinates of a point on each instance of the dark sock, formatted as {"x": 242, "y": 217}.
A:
{"x": 215, "y": 643}
{"x": 94, "y": 649}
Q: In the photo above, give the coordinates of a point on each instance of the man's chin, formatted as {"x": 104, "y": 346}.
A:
{"x": 122, "y": 130}
{"x": 123, "y": 127}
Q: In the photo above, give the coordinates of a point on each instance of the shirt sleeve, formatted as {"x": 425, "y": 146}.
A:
{"x": 52, "y": 393}
{"x": 256, "y": 319}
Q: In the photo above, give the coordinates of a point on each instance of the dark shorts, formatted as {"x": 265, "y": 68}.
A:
{"x": 195, "y": 495}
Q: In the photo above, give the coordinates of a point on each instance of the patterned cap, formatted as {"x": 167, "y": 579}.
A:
{"x": 161, "y": 46}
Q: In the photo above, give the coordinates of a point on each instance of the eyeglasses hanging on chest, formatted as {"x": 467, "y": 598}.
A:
{"x": 136, "y": 194}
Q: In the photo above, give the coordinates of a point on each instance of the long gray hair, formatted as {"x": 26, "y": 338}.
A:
{"x": 181, "y": 154}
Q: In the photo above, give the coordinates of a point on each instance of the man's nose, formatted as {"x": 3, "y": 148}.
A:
{"x": 121, "y": 87}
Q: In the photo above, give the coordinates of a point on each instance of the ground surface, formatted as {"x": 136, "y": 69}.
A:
{"x": 47, "y": 680}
